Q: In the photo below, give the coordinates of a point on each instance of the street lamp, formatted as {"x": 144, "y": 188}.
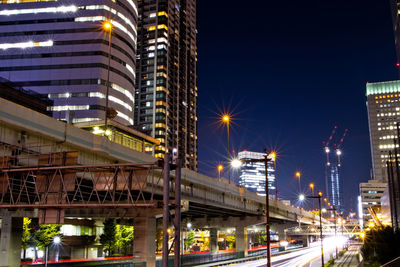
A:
{"x": 312, "y": 193}
{"x": 107, "y": 26}
{"x": 298, "y": 175}
{"x": 226, "y": 118}
{"x": 236, "y": 163}
{"x": 220, "y": 168}
{"x": 319, "y": 196}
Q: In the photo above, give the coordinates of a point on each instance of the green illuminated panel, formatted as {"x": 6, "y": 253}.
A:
{"x": 383, "y": 88}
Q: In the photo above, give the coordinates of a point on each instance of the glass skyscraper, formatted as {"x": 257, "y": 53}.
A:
{"x": 252, "y": 174}
{"x": 60, "y": 50}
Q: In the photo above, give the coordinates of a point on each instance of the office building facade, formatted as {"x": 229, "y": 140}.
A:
{"x": 252, "y": 174}
{"x": 166, "y": 87}
{"x": 383, "y": 103}
{"x": 371, "y": 194}
{"x": 60, "y": 49}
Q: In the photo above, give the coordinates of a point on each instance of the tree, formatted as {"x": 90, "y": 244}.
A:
{"x": 231, "y": 240}
{"x": 123, "y": 238}
{"x": 26, "y": 235}
{"x": 159, "y": 237}
{"x": 381, "y": 245}
{"x": 189, "y": 241}
{"x": 45, "y": 235}
{"x": 107, "y": 239}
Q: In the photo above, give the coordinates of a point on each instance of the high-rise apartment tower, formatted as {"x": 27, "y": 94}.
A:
{"x": 60, "y": 49}
{"x": 383, "y": 102}
{"x": 166, "y": 88}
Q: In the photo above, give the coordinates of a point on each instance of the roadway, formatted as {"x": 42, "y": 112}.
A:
{"x": 307, "y": 257}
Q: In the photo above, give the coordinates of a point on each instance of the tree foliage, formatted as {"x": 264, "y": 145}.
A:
{"x": 108, "y": 238}
{"x": 26, "y": 233}
{"x": 189, "y": 241}
{"x": 231, "y": 240}
{"x": 381, "y": 245}
{"x": 45, "y": 235}
{"x": 123, "y": 238}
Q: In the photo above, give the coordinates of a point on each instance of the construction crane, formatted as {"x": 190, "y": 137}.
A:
{"x": 327, "y": 143}
{"x": 339, "y": 146}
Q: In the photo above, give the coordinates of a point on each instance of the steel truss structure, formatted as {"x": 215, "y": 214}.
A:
{"x": 54, "y": 181}
{"x": 347, "y": 229}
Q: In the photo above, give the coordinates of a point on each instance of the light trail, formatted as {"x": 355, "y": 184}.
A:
{"x": 308, "y": 257}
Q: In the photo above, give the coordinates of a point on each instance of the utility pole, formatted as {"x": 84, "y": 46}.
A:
{"x": 320, "y": 232}
{"x": 165, "y": 211}
{"x": 177, "y": 219}
{"x": 267, "y": 220}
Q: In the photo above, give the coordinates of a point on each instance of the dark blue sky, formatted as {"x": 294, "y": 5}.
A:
{"x": 290, "y": 71}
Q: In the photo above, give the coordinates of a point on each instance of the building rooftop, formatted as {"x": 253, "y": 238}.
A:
{"x": 383, "y": 87}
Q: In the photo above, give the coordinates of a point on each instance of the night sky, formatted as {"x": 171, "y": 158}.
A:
{"x": 289, "y": 71}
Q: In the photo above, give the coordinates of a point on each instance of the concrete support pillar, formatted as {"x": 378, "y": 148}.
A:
{"x": 144, "y": 242}
{"x": 10, "y": 241}
{"x": 242, "y": 246}
{"x": 306, "y": 240}
{"x": 213, "y": 240}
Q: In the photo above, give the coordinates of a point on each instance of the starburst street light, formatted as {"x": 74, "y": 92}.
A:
{"x": 220, "y": 168}
{"x": 107, "y": 26}
{"x": 298, "y": 175}
{"x": 236, "y": 163}
{"x": 226, "y": 119}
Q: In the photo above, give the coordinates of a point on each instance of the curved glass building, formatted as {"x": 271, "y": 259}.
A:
{"x": 60, "y": 49}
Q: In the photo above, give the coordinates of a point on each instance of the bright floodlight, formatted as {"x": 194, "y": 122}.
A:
{"x": 189, "y": 225}
{"x": 235, "y": 163}
{"x": 302, "y": 197}
{"x": 338, "y": 152}
{"x": 220, "y": 167}
{"x": 57, "y": 240}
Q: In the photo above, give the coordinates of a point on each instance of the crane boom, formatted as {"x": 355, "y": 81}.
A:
{"x": 326, "y": 145}
{"x": 338, "y": 151}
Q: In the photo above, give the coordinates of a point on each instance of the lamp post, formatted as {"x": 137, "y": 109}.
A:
{"x": 107, "y": 26}
{"x": 268, "y": 157}
{"x": 312, "y": 193}
{"x": 319, "y": 196}
{"x": 298, "y": 175}
{"x": 226, "y": 119}
{"x": 220, "y": 168}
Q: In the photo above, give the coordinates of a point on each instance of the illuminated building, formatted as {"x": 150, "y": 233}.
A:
{"x": 383, "y": 102}
{"x": 335, "y": 186}
{"x": 166, "y": 83}
{"x": 371, "y": 194}
{"x": 123, "y": 135}
{"x": 252, "y": 174}
{"x": 59, "y": 49}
